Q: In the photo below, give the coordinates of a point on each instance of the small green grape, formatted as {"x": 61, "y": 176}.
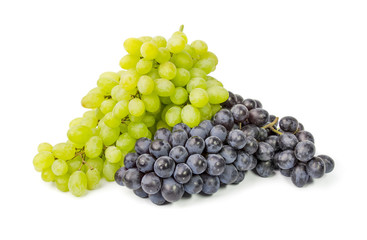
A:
{"x": 107, "y": 105}
{"x": 90, "y": 122}
{"x": 144, "y": 66}
{"x": 207, "y": 65}
{"x": 165, "y": 100}
{"x": 200, "y": 47}
{"x": 206, "y": 112}
{"x": 111, "y": 121}
{"x": 183, "y": 60}
{"x": 182, "y": 77}
{"x": 74, "y": 164}
{"x": 164, "y": 87}
{"x": 145, "y": 85}
{"x": 109, "y": 170}
{"x": 129, "y": 80}
{"x": 210, "y": 55}
{"x": 176, "y": 44}
{"x": 145, "y": 39}
{"x": 164, "y": 111}
{"x": 94, "y": 147}
{"x": 160, "y": 41}
{"x": 93, "y": 178}
{"x": 106, "y": 84}
{"x": 111, "y": 75}
{"x": 151, "y": 102}
{"x": 62, "y": 182}
{"x": 96, "y": 163}
{"x": 197, "y": 73}
{"x": 59, "y": 167}
{"x": 78, "y": 183}
{"x": 196, "y": 83}
{"x": 64, "y": 151}
{"x": 113, "y": 154}
{"x": 136, "y": 107}
{"x": 199, "y": 97}
{"x": 132, "y": 46}
{"x": 162, "y": 124}
{"x": 138, "y": 130}
{"x": 217, "y": 95}
{"x": 179, "y": 96}
{"x": 167, "y": 70}
{"x": 44, "y": 147}
{"x": 153, "y": 74}
{"x": 118, "y": 94}
{"x": 173, "y": 116}
{"x": 121, "y": 109}
{"x": 213, "y": 82}
{"x": 47, "y": 175}
{"x": 92, "y": 100}
{"x": 75, "y": 121}
{"x": 79, "y": 134}
{"x": 215, "y": 108}
{"x": 149, "y": 50}
{"x": 125, "y": 142}
{"x": 109, "y": 135}
{"x": 163, "y": 55}
{"x": 149, "y": 120}
{"x": 43, "y": 160}
{"x": 129, "y": 61}
{"x": 180, "y": 34}
{"x": 136, "y": 119}
{"x": 190, "y": 115}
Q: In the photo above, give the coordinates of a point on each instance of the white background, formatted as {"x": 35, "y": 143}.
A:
{"x": 307, "y": 59}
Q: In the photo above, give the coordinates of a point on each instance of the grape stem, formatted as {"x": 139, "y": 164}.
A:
{"x": 271, "y": 126}
{"x": 181, "y": 28}
{"x": 276, "y": 131}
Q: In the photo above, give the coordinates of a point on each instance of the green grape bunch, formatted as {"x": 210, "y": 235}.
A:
{"x": 162, "y": 83}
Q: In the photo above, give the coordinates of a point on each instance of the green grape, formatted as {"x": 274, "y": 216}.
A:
{"x": 64, "y": 151}
{"x": 144, "y": 66}
{"x": 118, "y": 93}
{"x": 205, "y": 112}
{"x": 165, "y": 100}
{"x": 215, "y": 108}
{"x": 199, "y": 97}
{"x": 179, "y": 96}
{"x": 160, "y": 41}
{"x": 111, "y": 75}
{"x": 197, "y": 72}
{"x": 164, "y": 111}
{"x": 109, "y": 135}
{"x": 96, "y": 163}
{"x": 136, "y": 119}
{"x": 196, "y": 83}
{"x": 43, "y": 160}
{"x": 176, "y": 44}
{"x": 92, "y": 100}
{"x": 96, "y": 131}
{"x": 93, "y": 178}
{"x": 136, "y": 107}
{"x": 162, "y": 124}
{"x": 107, "y": 106}
{"x": 210, "y": 55}
{"x": 150, "y": 135}
{"x": 182, "y": 77}
{"x": 200, "y": 47}
{"x": 109, "y": 170}
{"x": 59, "y": 167}
{"x": 129, "y": 80}
{"x": 137, "y": 130}
{"x": 213, "y": 82}
{"x": 74, "y": 164}
{"x": 191, "y": 51}
{"x": 153, "y": 73}
{"x": 111, "y": 121}
{"x": 123, "y": 127}
{"x": 132, "y": 46}
{"x": 125, "y": 142}
{"x": 96, "y": 90}
{"x": 99, "y": 114}
{"x": 183, "y": 60}
{"x": 163, "y": 55}
{"x": 145, "y": 85}
{"x": 113, "y": 154}
{"x": 145, "y": 39}
{"x": 89, "y": 113}
{"x": 44, "y": 147}
{"x": 173, "y": 116}
{"x": 167, "y": 70}
{"x": 149, "y": 50}
{"x": 62, "y": 182}
{"x": 151, "y": 102}
{"x": 90, "y": 122}
{"x": 207, "y": 65}
{"x": 190, "y": 115}
{"x": 94, "y": 147}
{"x": 149, "y": 120}
{"x": 75, "y": 121}
{"x": 217, "y": 95}
{"x": 180, "y": 34}
{"x": 121, "y": 109}
{"x": 78, "y": 183}
{"x": 106, "y": 84}
{"x": 129, "y": 61}
{"x": 47, "y": 175}
{"x": 79, "y": 134}
{"x": 164, "y": 87}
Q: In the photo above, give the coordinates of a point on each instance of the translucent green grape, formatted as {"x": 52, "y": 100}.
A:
{"x": 125, "y": 142}
{"x": 64, "y": 151}
{"x": 162, "y": 124}
{"x": 164, "y": 111}
{"x": 43, "y": 160}
{"x": 74, "y": 164}
{"x": 59, "y": 167}
{"x": 99, "y": 114}
{"x": 176, "y": 44}
{"x": 136, "y": 107}
{"x": 44, "y": 147}
{"x": 129, "y": 80}
{"x": 153, "y": 74}
{"x": 173, "y": 116}
{"x": 144, "y": 66}
{"x": 200, "y": 47}
{"x": 89, "y": 113}
{"x": 113, "y": 154}
{"x": 163, "y": 56}
{"x": 145, "y": 39}
{"x": 107, "y": 106}
{"x": 47, "y": 175}
{"x": 199, "y": 97}
{"x": 206, "y": 112}
{"x": 111, "y": 121}
{"x": 197, "y": 73}
{"x": 151, "y": 102}
{"x": 75, "y": 122}
{"x": 96, "y": 163}
{"x": 138, "y": 130}
{"x": 118, "y": 94}
{"x": 165, "y": 100}
{"x": 132, "y": 46}
{"x": 106, "y": 84}
{"x": 123, "y": 127}
{"x": 145, "y": 85}
{"x": 111, "y": 75}
{"x": 183, "y": 60}
{"x": 94, "y": 147}
{"x": 217, "y": 95}
{"x": 182, "y": 77}
{"x": 210, "y": 55}
{"x": 136, "y": 119}
{"x": 179, "y": 96}
{"x": 167, "y": 70}
{"x": 109, "y": 170}
{"x": 196, "y": 83}
{"x": 164, "y": 87}
{"x": 160, "y": 41}
{"x": 92, "y": 100}
{"x": 180, "y": 34}
{"x": 109, "y": 135}
{"x": 207, "y": 65}
{"x": 149, "y": 50}
{"x": 78, "y": 183}
{"x": 79, "y": 134}
{"x": 149, "y": 120}
{"x": 93, "y": 178}
{"x": 129, "y": 61}
{"x": 190, "y": 115}
{"x": 62, "y": 182}
{"x": 215, "y": 108}
{"x": 121, "y": 109}
{"x": 213, "y": 82}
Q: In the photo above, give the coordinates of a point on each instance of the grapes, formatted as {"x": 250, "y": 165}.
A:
{"x": 287, "y": 141}
{"x": 286, "y": 159}
{"x": 329, "y": 163}
{"x": 93, "y": 178}
{"x": 258, "y": 116}
{"x": 304, "y": 150}
{"x": 236, "y": 139}
{"x": 211, "y": 184}
{"x": 159, "y": 148}
{"x": 149, "y": 50}
{"x": 44, "y": 147}
{"x": 213, "y": 144}
{"x": 315, "y": 167}
{"x": 59, "y": 167}
{"x": 216, "y": 164}
{"x": 142, "y": 145}
{"x": 179, "y": 154}
{"x": 167, "y": 70}
{"x": 195, "y": 185}
{"x": 265, "y": 152}
{"x": 229, "y": 175}
{"x": 228, "y": 153}
{"x": 145, "y": 163}
{"x": 164, "y": 166}
{"x": 224, "y": 118}
{"x": 132, "y": 178}
{"x": 182, "y": 173}
{"x": 162, "y": 134}
{"x": 178, "y": 138}
{"x": 198, "y": 131}
{"x": 157, "y": 198}
{"x": 219, "y": 131}
{"x": 130, "y": 160}
{"x": 64, "y": 151}
{"x": 299, "y": 175}
{"x": 288, "y": 124}
{"x": 172, "y": 191}
{"x": 239, "y": 112}
{"x": 43, "y": 160}
{"x": 190, "y": 115}
{"x": 199, "y": 97}
{"x": 78, "y": 183}
{"x": 151, "y": 183}
{"x": 195, "y": 145}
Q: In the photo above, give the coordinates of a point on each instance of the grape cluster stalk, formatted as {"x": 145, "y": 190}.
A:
{"x": 163, "y": 82}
